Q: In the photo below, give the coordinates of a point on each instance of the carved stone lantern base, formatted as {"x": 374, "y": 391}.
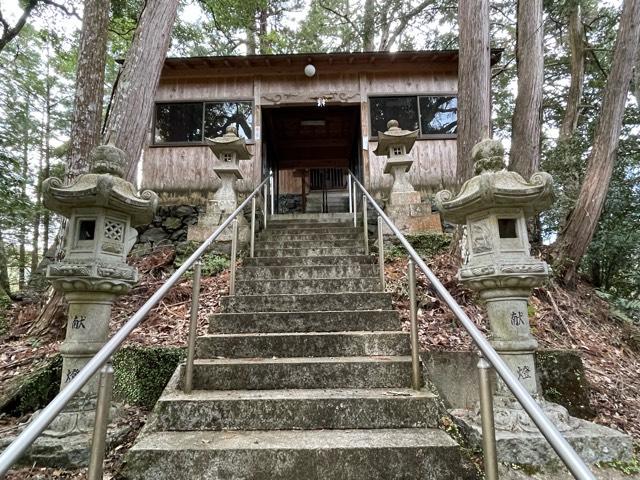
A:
{"x": 211, "y": 219}
{"x": 519, "y": 441}
{"x": 413, "y": 218}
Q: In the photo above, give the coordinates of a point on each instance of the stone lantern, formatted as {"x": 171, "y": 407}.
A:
{"x": 404, "y": 207}
{"x": 396, "y": 144}
{"x": 101, "y": 208}
{"x": 229, "y": 149}
{"x": 494, "y": 206}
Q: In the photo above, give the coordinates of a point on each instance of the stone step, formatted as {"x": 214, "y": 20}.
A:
{"x": 306, "y": 272}
{"x": 371, "y": 320}
{"x": 310, "y": 260}
{"x": 298, "y": 372}
{"x": 310, "y": 217}
{"x": 308, "y": 344}
{"x": 355, "y": 236}
{"x": 307, "y": 244}
{"x": 312, "y": 230}
{"x": 308, "y": 286}
{"x": 377, "y": 454}
{"x": 295, "y": 409}
{"x": 306, "y": 302}
{"x": 317, "y": 251}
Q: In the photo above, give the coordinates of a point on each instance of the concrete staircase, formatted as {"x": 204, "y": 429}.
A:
{"x": 304, "y": 376}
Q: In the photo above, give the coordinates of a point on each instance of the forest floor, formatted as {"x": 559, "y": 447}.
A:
{"x": 561, "y": 319}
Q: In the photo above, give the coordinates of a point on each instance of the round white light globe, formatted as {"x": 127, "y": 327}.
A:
{"x": 309, "y": 70}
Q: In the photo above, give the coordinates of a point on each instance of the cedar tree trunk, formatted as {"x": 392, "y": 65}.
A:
{"x": 87, "y": 110}
{"x": 527, "y": 116}
{"x": 130, "y": 116}
{"x": 581, "y": 224}
{"x": 576, "y": 46}
{"x": 474, "y": 71}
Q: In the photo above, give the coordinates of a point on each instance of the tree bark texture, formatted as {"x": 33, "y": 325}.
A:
{"x": 129, "y": 119}
{"x": 474, "y": 75}
{"x": 87, "y": 110}
{"x": 368, "y": 26}
{"x": 527, "y": 116}
{"x": 583, "y": 219}
{"x": 5, "y": 284}
{"x": 577, "y": 49}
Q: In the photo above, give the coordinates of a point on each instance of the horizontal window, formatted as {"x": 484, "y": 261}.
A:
{"x": 193, "y": 122}
{"x": 430, "y": 114}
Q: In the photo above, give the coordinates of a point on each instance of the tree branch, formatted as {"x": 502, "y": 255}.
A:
{"x": 340, "y": 15}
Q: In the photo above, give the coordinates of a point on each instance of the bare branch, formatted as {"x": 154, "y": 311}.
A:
{"x": 343, "y": 17}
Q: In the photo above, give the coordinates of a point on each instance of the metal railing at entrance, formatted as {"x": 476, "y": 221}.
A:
{"x": 101, "y": 362}
{"x": 489, "y": 358}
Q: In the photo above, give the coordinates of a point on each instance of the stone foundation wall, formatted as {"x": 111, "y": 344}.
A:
{"x": 169, "y": 225}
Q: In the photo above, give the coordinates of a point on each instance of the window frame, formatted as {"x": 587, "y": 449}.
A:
{"x": 416, "y": 96}
{"x": 155, "y": 144}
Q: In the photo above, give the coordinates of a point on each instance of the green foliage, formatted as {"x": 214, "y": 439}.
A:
{"x": 5, "y": 303}
{"x": 141, "y": 373}
{"x": 427, "y": 244}
{"x": 628, "y": 468}
{"x": 35, "y": 390}
{"x": 212, "y": 263}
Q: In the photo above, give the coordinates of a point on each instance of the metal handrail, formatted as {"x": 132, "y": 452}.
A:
{"x": 557, "y": 441}
{"x": 15, "y": 450}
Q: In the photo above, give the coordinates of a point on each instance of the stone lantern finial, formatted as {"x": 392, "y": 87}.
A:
{"x": 488, "y": 156}
{"x": 108, "y": 159}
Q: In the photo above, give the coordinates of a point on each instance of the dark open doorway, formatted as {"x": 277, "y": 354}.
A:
{"x": 310, "y": 150}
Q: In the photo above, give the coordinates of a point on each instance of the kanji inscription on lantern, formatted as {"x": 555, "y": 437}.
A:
{"x": 71, "y": 374}
{"x": 78, "y": 322}
{"x": 517, "y": 319}
{"x": 524, "y": 373}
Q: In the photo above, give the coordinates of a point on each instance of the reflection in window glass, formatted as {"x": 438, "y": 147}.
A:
{"x": 402, "y": 109}
{"x": 438, "y": 115}
{"x": 178, "y": 122}
{"x": 219, "y": 115}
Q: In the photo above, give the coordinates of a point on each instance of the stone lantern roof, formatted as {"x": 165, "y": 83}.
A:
{"x": 103, "y": 187}
{"x": 395, "y": 136}
{"x": 494, "y": 186}
{"x": 230, "y": 142}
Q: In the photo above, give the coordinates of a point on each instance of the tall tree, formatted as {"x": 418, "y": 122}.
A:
{"x": 527, "y": 116}
{"x": 574, "y": 239}
{"x": 474, "y": 70}
{"x": 577, "y": 49}
{"x": 130, "y": 114}
{"x": 87, "y": 109}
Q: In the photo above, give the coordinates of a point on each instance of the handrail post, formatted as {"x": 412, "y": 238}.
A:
{"x": 354, "y": 209}
{"x": 234, "y": 254}
{"x": 381, "y": 253}
{"x": 103, "y": 406}
{"x": 264, "y": 205}
{"x": 349, "y": 187}
{"x": 253, "y": 225}
{"x": 416, "y": 377}
{"x": 487, "y": 420}
{"x": 365, "y": 225}
{"x": 271, "y": 189}
{"x": 193, "y": 326}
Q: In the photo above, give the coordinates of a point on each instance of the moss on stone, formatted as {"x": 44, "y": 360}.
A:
{"x": 34, "y": 390}
{"x": 427, "y": 244}
{"x": 563, "y": 381}
{"x": 141, "y": 373}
